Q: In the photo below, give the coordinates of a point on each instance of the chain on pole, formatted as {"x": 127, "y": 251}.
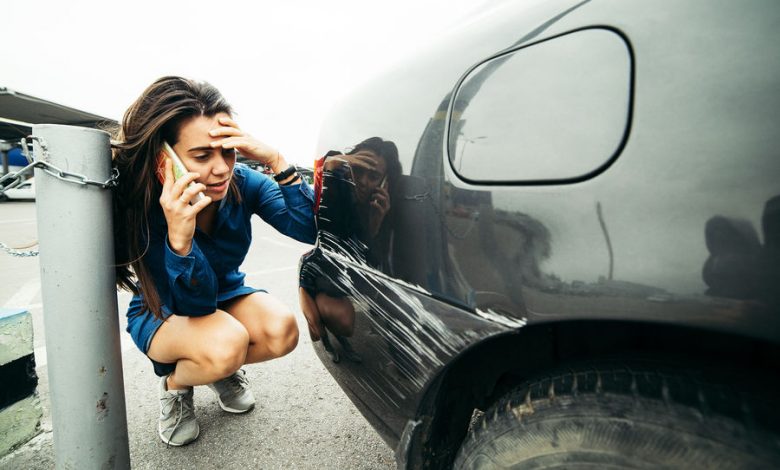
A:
{"x": 15, "y": 179}
{"x": 17, "y": 252}
{"x": 52, "y": 170}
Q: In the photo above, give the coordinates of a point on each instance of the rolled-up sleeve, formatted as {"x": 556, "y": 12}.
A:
{"x": 192, "y": 282}
{"x": 289, "y": 209}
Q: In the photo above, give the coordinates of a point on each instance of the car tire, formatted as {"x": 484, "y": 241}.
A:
{"x": 606, "y": 416}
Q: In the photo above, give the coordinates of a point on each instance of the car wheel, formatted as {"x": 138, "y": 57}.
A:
{"x": 618, "y": 417}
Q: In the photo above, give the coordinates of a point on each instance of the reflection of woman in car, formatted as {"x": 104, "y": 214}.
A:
{"x": 361, "y": 183}
{"x": 191, "y": 314}
{"x": 374, "y": 169}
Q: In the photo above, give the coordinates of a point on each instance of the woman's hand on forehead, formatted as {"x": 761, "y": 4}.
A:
{"x": 227, "y": 128}
{"x": 230, "y": 136}
{"x": 365, "y": 161}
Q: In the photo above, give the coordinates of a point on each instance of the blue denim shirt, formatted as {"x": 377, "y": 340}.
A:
{"x": 195, "y": 284}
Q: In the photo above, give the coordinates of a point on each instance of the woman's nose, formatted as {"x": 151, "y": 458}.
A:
{"x": 220, "y": 166}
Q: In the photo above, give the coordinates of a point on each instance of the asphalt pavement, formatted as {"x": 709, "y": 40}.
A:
{"x": 302, "y": 419}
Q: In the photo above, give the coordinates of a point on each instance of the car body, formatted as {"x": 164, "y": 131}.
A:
{"x": 579, "y": 181}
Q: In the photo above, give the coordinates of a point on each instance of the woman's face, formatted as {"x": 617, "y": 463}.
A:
{"x": 369, "y": 170}
{"x": 215, "y": 165}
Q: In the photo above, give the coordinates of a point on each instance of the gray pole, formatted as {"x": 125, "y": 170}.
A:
{"x": 75, "y": 234}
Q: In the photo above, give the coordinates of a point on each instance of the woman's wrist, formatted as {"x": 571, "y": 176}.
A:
{"x": 181, "y": 248}
{"x": 286, "y": 176}
{"x": 294, "y": 179}
{"x": 279, "y": 164}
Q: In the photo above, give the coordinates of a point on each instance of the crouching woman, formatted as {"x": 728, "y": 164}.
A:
{"x": 180, "y": 242}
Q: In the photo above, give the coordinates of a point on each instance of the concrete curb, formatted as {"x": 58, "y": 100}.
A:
{"x": 20, "y": 408}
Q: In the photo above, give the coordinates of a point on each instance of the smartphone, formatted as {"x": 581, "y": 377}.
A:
{"x": 179, "y": 169}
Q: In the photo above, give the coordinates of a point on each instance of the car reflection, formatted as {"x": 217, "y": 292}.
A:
{"x": 361, "y": 183}
{"x": 739, "y": 266}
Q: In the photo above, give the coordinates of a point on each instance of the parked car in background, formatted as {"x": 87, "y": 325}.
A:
{"x": 25, "y": 191}
{"x": 553, "y": 240}
{"x": 254, "y": 164}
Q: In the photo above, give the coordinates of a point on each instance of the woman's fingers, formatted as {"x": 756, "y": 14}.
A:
{"x": 179, "y": 192}
{"x": 235, "y": 138}
{"x": 167, "y": 175}
{"x": 182, "y": 183}
{"x": 334, "y": 163}
{"x": 381, "y": 200}
{"x": 226, "y": 121}
{"x": 231, "y": 142}
{"x": 249, "y": 147}
{"x": 180, "y": 216}
{"x": 228, "y": 128}
{"x": 243, "y": 143}
{"x": 381, "y": 194}
{"x": 225, "y": 131}
{"x": 191, "y": 191}
{"x": 364, "y": 161}
{"x": 381, "y": 206}
{"x": 200, "y": 205}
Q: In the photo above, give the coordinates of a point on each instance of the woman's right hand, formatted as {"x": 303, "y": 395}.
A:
{"x": 180, "y": 215}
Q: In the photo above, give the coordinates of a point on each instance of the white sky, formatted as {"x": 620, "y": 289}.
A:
{"x": 281, "y": 64}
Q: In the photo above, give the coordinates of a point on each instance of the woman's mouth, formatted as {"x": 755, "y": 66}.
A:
{"x": 218, "y": 187}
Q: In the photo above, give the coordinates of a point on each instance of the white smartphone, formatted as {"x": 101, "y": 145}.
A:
{"x": 179, "y": 169}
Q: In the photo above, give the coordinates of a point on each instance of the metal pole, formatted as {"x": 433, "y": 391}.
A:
{"x": 75, "y": 234}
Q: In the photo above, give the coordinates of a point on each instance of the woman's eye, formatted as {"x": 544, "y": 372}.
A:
{"x": 201, "y": 158}
{"x": 228, "y": 152}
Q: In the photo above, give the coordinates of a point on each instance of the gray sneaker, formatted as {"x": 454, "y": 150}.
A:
{"x": 233, "y": 393}
{"x": 177, "y": 425}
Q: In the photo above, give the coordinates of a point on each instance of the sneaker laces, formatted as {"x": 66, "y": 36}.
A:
{"x": 237, "y": 382}
{"x": 183, "y": 403}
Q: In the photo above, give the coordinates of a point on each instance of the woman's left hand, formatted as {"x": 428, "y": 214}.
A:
{"x": 378, "y": 208}
{"x": 234, "y": 138}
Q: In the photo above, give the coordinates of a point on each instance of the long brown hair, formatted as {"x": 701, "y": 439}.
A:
{"x": 156, "y": 116}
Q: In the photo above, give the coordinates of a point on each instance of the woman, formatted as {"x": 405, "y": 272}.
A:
{"x": 191, "y": 314}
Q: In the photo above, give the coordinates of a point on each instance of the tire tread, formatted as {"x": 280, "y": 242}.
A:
{"x": 681, "y": 393}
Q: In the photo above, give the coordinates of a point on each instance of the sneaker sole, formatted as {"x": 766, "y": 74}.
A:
{"x": 227, "y": 408}
{"x": 232, "y": 410}
{"x": 174, "y": 444}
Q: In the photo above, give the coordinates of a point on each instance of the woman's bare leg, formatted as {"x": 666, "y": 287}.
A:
{"x": 311, "y": 312}
{"x": 271, "y": 325}
{"x": 205, "y": 349}
{"x": 253, "y": 328}
{"x": 337, "y": 314}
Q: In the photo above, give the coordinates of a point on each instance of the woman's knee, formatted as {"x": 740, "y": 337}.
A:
{"x": 337, "y": 314}
{"x": 282, "y": 335}
{"x": 226, "y": 352}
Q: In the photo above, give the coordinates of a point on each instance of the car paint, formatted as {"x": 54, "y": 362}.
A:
{"x": 635, "y": 241}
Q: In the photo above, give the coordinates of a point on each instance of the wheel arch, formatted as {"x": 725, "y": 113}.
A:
{"x": 487, "y": 370}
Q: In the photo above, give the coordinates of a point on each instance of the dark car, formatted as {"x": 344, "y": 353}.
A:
{"x": 553, "y": 240}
